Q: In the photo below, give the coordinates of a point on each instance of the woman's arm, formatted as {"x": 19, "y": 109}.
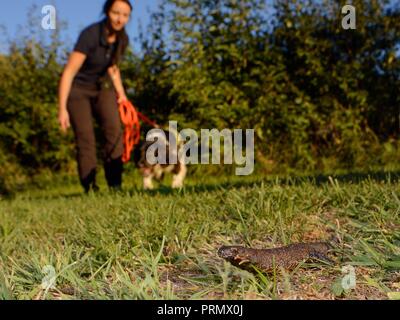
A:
{"x": 75, "y": 62}
{"x": 115, "y": 75}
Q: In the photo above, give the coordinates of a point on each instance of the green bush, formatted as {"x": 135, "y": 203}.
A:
{"x": 319, "y": 97}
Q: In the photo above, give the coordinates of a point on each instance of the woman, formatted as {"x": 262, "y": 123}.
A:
{"x": 91, "y": 86}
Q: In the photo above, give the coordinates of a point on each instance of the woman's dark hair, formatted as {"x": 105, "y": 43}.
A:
{"x": 122, "y": 37}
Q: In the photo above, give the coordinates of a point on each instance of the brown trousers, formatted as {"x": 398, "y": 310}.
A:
{"x": 84, "y": 104}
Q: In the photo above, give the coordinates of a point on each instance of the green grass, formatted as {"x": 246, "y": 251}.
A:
{"x": 162, "y": 244}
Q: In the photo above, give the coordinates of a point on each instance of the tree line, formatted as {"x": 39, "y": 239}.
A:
{"x": 319, "y": 97}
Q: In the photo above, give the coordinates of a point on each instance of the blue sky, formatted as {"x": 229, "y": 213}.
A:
{"x": 77, "y": 14}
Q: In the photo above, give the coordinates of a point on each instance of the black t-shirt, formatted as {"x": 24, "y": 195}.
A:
{"x": 93, "y": 43}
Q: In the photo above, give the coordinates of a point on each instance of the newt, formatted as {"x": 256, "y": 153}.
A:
{"x": 266, "y": 260}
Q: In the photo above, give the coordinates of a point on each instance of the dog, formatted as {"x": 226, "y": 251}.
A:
{"x": 157, "y": 171}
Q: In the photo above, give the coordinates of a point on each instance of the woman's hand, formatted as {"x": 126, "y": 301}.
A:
{"x": 122, "y": 98}
{"x": 63, "y": 119}
{"x": 75, "y": 61}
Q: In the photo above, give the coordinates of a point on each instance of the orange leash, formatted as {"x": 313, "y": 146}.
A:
{"x": 130, "y": 118}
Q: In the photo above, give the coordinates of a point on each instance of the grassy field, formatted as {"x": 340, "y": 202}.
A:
{"x": 162, "y": 244}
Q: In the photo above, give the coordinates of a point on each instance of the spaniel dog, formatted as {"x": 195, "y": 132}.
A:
{"x": 155, "y": 143}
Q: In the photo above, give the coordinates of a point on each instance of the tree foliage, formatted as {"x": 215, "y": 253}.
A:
{"x": 318, "y": 96}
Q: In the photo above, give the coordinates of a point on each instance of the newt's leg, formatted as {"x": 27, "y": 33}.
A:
{"x": 321, "y": 256}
